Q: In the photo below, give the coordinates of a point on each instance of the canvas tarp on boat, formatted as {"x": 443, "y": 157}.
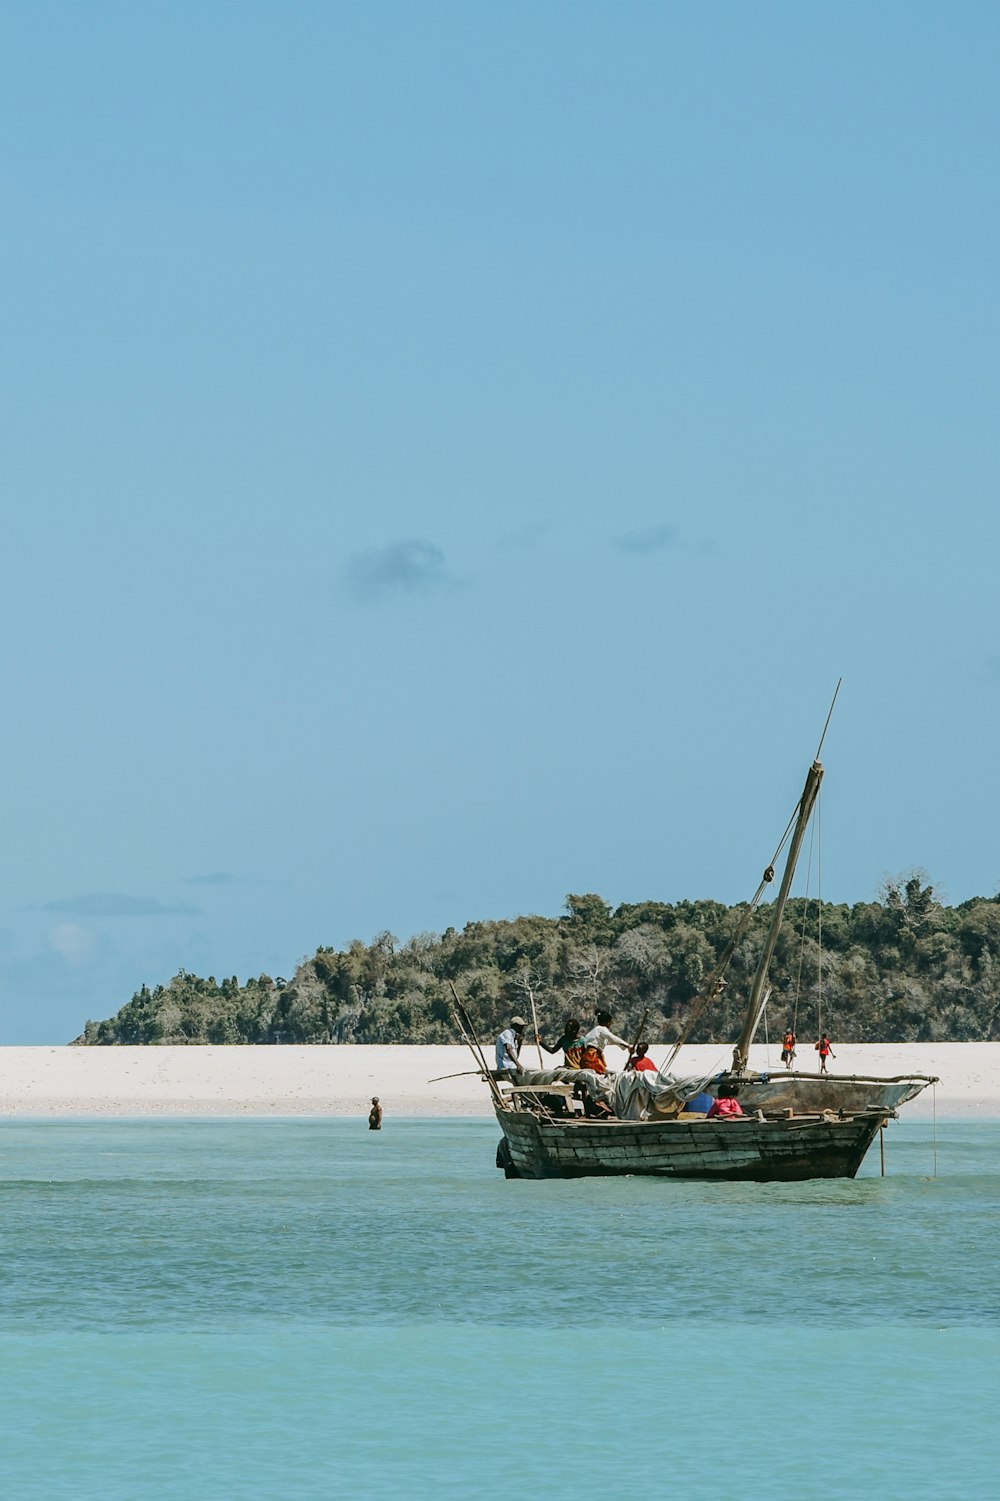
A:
{"x": 631, "y": 1095}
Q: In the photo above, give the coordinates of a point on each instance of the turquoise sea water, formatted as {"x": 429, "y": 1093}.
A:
{"x": 300, "y": 1309}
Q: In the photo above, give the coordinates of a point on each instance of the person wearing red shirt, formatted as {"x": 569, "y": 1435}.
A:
{"x": 640, "y": 1062}
{"x": 825, "y": 1051}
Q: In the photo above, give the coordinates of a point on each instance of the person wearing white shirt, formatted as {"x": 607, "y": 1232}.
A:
{"x": 509, "y": 1047}
{"x": 597, "y": 1039}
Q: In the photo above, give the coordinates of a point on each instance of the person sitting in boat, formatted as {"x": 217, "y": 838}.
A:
{"x": 727, "y": 1103}
{"x": 594, "y": 1108}
{"x": 509, "y": 1049}
{"x": 641, "y": 1062}
{"x": 596, "y": 1040}
{"x": 570, "y": 1043}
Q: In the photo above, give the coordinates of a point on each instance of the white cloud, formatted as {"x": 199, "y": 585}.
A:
{"x": 72, "y": 942}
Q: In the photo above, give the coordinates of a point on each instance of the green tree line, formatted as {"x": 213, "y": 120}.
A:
{"x": 904, "y": 968}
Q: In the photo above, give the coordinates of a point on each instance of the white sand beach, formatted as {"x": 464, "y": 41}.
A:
{"x": 200, "y": 1081}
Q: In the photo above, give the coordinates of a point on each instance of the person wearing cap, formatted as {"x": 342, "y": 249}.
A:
{"x": 509, "y": 1048}
{"x": 375, "y": 1115}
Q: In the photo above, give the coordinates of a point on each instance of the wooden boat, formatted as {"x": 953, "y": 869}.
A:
{"x": 776, "y": 1140}
{"x": 760, "y": 1149}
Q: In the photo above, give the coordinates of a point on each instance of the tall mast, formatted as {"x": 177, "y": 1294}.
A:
{"x": 760, "y": 990}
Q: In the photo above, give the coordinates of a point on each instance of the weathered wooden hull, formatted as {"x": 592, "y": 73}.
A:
{"x": 724, "y": 1150}
{"x": 811, "y": 1094}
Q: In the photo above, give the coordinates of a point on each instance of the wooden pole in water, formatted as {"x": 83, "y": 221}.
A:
{"x": 881, "y": 1142}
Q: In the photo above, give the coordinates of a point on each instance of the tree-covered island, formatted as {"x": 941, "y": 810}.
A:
{"x": 905, "y": 968}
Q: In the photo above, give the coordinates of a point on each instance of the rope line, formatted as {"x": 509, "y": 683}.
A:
{"x": 701, "y": 1002}
{"x": 836, "y": 691}
{"x": 819, "y": 899}
{"x": 934, "y": 1126}
{"x": 802, "y": 935}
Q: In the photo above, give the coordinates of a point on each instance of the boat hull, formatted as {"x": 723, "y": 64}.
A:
{"x": 723, "y": 1150}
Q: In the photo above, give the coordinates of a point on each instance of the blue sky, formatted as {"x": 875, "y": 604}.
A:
{"x": 451, "y": 452}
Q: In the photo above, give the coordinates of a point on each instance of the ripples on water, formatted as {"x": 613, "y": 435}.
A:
{"x": 217, "y": 1290}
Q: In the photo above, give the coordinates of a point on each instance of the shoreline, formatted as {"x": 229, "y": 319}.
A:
{"x": 62, "y": 1082}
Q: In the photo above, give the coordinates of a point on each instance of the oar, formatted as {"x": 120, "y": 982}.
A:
{"x": 465, "y": 1023}
{"x": 534, "y": 1023}
{"x": 638, "y": 1038}
{"x": 484, "y": 1072}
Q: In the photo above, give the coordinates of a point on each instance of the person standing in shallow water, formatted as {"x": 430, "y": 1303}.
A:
{"x": 375, "y": 1115}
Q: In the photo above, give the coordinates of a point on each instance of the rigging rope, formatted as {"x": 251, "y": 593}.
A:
{"x": 934, "y": 1125}
{"x": 819, "y": 915}
{"x": 815, "y": 838}
{"x": 802, "y": 935}
{"x": 701, "y": 1002}
{"x": 715, "y": 981}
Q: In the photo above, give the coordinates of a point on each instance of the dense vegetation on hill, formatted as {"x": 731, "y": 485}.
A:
{"x": 904, "y": 968}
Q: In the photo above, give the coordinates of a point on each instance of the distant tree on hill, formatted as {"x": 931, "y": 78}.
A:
{"x": 903, "y": 968}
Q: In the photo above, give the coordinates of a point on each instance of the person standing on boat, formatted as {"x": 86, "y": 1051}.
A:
{"x": 596, "y": 1040}
{"x": 509, "y": 1048}
{"x": 825, "y": 1051}
{"x": 788, "y": 1048}
{"x": 570, "y": 1043}
{"x": 375, "y": 1115}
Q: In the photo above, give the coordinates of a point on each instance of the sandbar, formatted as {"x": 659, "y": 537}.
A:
{"x": 409, "y": 1080}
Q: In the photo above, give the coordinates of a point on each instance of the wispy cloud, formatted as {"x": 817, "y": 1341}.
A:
{"x": 525, "y": 538}
{"x": 648, "y": 539}
{"x": 114, "y": 904}
{"x": 72, "y": 942}
{"x": 213, "y": 878}
{"x": 415, "y": 567}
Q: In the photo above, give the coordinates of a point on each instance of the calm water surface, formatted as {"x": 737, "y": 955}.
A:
{"x": 300, "y": 1309}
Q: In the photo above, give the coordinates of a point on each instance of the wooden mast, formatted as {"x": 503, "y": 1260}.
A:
{"x": 760, "y": 989}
